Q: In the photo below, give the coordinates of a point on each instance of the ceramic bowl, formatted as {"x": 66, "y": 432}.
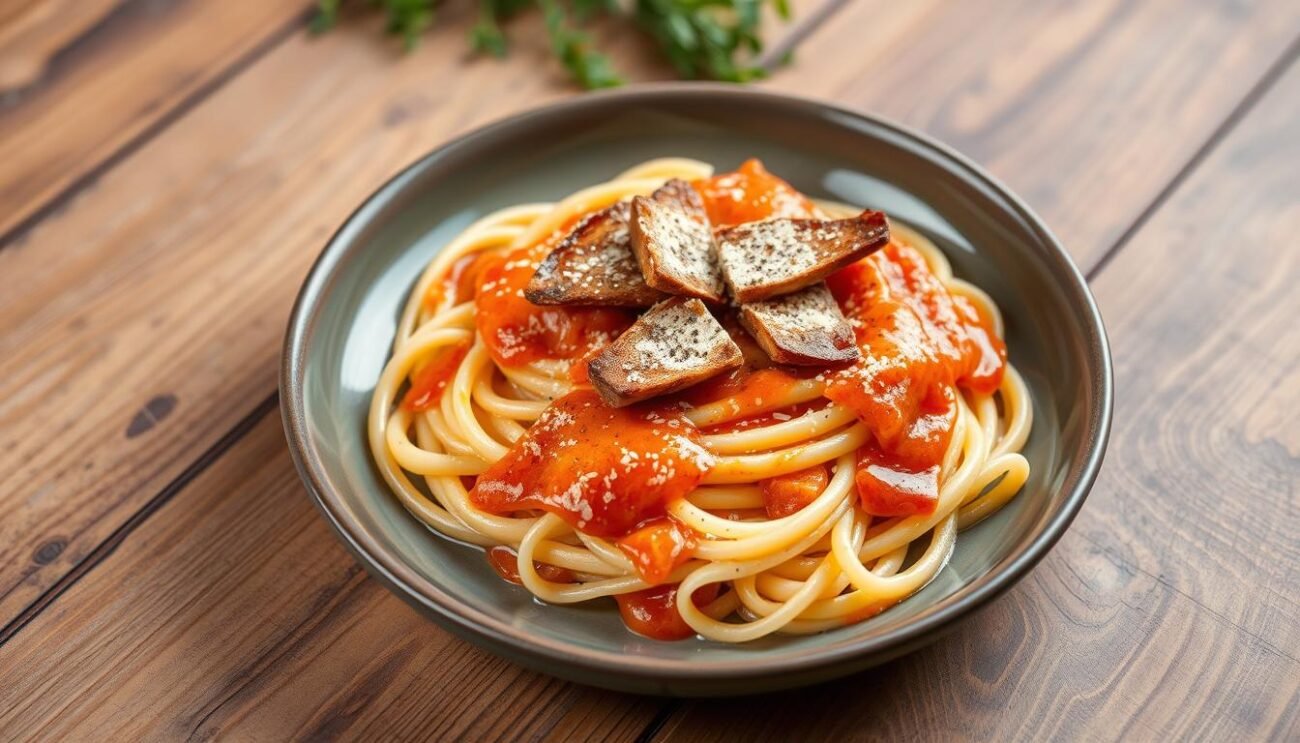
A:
{"x": 342, "y": 326}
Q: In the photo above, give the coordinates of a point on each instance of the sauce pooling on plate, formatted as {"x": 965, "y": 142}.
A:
{"x": 653, "y": 611}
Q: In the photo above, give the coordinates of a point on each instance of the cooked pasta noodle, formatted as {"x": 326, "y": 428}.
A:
{"x": 748, "y": 575}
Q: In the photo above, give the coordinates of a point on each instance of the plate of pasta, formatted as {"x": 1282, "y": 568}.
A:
{"x": 696, "y": 390}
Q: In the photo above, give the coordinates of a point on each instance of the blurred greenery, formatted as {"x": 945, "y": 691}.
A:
{"x": 702, "y": 39}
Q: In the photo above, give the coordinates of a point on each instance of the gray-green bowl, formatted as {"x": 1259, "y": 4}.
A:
{"x": 343, "y": 323}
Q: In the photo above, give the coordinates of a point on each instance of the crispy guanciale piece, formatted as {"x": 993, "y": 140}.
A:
{"x": 594, "y": 266}
{"x": 674, "y": 345}
{"x": 780, "y": 256}
{"x": 805, "y": 328}
{"x": 673, "y": 242}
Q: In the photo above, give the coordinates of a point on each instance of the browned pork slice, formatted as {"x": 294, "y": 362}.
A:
{"x": 673, "y": 242}
{"x": 594, "y": 266}
{"x": 674, "y": 345}
{"x": 779, "y": 256}
{"x": 805, "y": 328}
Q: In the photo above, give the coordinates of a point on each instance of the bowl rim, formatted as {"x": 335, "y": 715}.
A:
{"x": 588, "y": 664}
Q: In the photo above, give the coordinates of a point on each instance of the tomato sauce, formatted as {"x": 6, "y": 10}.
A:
{"x": 605, "y": 471}
{"x": 753, "y": 391}
{"x": 975, "y": 355}
{"x": 612, "y": 472}
{"x": 653, "y": 612}
{"x": 579, "y": 369}
{"x": 431, "y": 380}
{"x": 505, "y": 562}
{"x": 461, "y": 282}
{"x": 750, "y": 194}
{"x": 517, "y": 331}
{"x": 918, "y": 342}
{"x": 658, "y": 548}
{"x": 903, "y": 480}
{"x": 786, "y": 495}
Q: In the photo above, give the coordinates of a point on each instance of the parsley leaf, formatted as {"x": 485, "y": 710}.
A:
{"x": 714, "y": 39}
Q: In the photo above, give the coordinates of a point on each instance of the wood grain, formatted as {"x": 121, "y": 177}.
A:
{"x": 157, "y": 329}
{"x": 1087, "y": 648}
{"x": 234, "y": 613}
{"x": 32, "y": 33}
{"x": 81, "y": 79}
{"x": 176, "y": 275}
{"x": 1171, "y": 609}
{"x": 1086, "y": 109}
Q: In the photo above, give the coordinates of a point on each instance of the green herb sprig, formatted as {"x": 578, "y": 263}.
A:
{"x": 709, "y": 39}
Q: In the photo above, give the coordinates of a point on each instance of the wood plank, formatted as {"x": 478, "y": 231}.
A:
{"x": 1148, "y": 594}
{"x": 182, "y": 267}
{"x": 288, "y": 150}
{"x": 234, "y": 613}
{"x": 1097, "y": 638}
{"x": 1088, "y": 648}
{"x": 80, "y": 80}
{"x": 1085, "y": 109}
{"x": 31, "y": 33}
{"x": 1171, "y": 610}
{"x": 158, "y": 328}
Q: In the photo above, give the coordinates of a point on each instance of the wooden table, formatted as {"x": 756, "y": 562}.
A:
{"x": 170, "y": 168}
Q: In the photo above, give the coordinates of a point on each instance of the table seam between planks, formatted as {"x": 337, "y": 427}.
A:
{"x": 659, "y": 723}
{"x": 292, "y": 641}
{"x": 213, "y": 453}
{"x": 772, "y": 59}
{"x": 236, "y": 67}
{"x": 1253, "y": 96}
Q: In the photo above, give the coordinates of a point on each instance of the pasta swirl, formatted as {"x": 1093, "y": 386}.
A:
{"x": 749, "y": 574}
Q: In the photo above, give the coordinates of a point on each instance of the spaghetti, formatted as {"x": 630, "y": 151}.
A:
{"x": 764, "y": 501}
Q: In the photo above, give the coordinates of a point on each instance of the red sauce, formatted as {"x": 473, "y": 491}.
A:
{"x": 918, "y": 341}
{"x": 658, "y": 548}
{"x": 578, "y": 371}
{"x": 611, "y": 473}
{"x": 653, "y": 612}
{"x": 606, "y": 471}
{"x": 517, "y": 331}
{"x": 754, "y": 390}
{"x": 750, "y": 194}
{"x": 505, "y": 562}
{"x": 975, "y": 355}
{"x": 904, "y": 480}
{"x": 429, "y": 381}
{"x": 789, "y": 494}
{"x": 985, "y": 374}
{"x": 460, "y": 283}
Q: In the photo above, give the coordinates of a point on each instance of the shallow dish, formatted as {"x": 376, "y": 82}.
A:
{"x": 342, "y": 326}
